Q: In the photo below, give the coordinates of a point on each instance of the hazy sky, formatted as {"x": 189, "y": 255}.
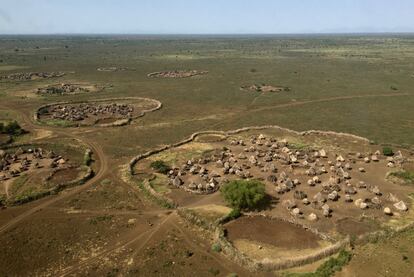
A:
{"x": 205, "y": 16}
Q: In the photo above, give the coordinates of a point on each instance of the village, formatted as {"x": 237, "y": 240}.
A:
{"x": 113, "y": 69}
{"x": 27, "y": 173}
{"x": 265, "y": 88}
{"x": 177, "y": 74}
{"x": 13, "y": 164}
{"x": 31, "y": 76}
{"x": 310, "y": 184}
{"x": 65, "y": 88}
{"x": 82, "y": 112}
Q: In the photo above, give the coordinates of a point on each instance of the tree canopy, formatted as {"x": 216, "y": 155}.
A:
{"x": 244, "y": 194}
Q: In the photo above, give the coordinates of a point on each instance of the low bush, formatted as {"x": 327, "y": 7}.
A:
{"x": 216, "y": 247}
{"x": 160, "y": 167}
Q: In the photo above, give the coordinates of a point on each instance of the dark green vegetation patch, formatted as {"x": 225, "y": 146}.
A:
{"x": 387, "y": 151}
{"x": 160, "y": 167}
{"x": 11, "y": 128}
{"x": 243, "y": 194}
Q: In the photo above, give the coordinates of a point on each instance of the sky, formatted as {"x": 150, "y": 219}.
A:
{"x": 205, "y": 16}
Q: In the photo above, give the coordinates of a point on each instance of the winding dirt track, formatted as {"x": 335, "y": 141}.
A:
{"x": 147, "y": 235}
{"x": 97, "y": 151}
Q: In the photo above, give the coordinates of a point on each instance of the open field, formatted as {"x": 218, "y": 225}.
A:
{"x": 361, "y": 85}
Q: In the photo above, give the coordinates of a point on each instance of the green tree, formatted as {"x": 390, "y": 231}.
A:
{"x": 243, "y": 194}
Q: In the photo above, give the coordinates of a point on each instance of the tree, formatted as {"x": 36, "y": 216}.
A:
{"x": 243, "y": 194}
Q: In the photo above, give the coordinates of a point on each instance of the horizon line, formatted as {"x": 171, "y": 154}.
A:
{"x": 210, "y": 34}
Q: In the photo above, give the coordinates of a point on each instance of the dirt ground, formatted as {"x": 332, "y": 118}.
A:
{"x": 274, "y": 232}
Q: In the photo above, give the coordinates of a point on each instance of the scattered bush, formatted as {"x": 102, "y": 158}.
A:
{"x": 243, "y": 194}
{"x": 101, "y": 218}
{"x": 160, "y": 167}
{"x": 387, "y": 151}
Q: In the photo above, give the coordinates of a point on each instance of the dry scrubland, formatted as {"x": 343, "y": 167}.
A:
{"x": 356, "y": 84}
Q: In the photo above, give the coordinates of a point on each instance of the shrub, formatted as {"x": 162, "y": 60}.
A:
{"x": 160, "y": 167}
{"x": 387, "y": 151}
{"x": 243, "y": 194}
{"x": 234, "y": 214}
{"x": 214, "y": 271}
{"x": 12, "y": 128}
{"x": 328, "y": 268}
{"x": 216, "y": 247}
{"x": 2, "y": 200}
{"x": 334, "y": 264}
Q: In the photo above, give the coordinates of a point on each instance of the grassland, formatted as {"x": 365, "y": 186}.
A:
{"x": 357, "y": 84}
{"x": 367, "y": 72}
